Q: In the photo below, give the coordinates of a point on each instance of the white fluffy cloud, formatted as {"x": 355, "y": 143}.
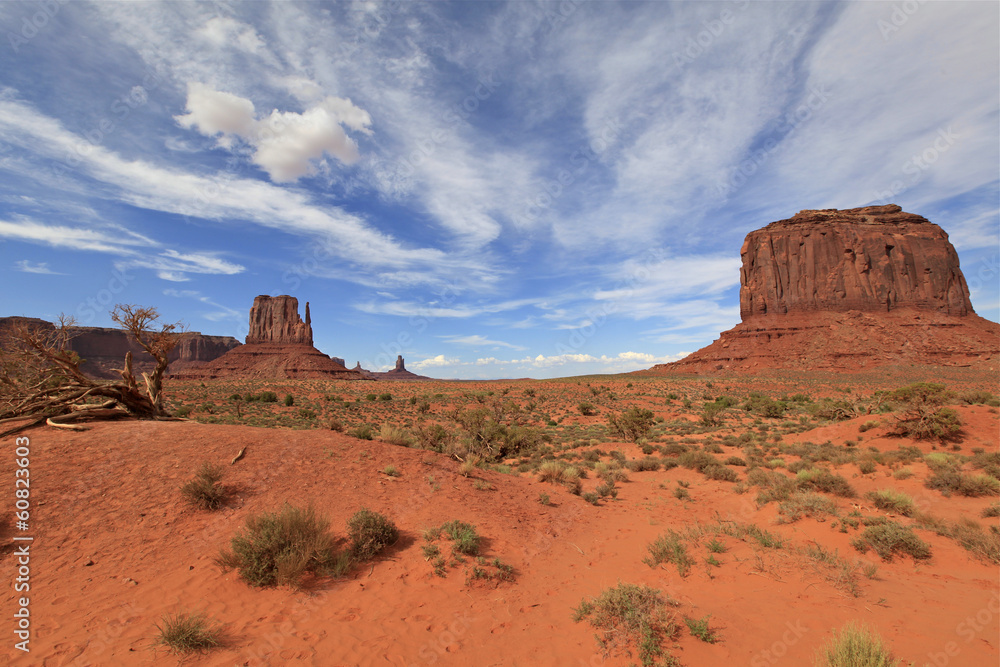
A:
{"x": 285, "y": 143}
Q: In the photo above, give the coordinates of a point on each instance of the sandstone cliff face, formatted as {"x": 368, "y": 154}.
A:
{"x": 103, "y": 349}
{"x": 275, "y": 319}
{"x": 850, "y": 289}
{"x": 279, "y": 345}
{"x": 871, "y": 259}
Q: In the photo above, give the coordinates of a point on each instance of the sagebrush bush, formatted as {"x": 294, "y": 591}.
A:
{"x": 463, "y": 535}
{"x": 204, "y": 490}
{"x": 804, "y": 503}
{"x": 370, "y": 533}
{"x": 629, "y": 614}
{"x": 890, "y": 538}
{"x": 891, "y": 500}
{"x": 855, "y": 646}
{"x": 395, "y": 435}
{"x": 280, "y": 548}
{"x": 949, "y": 479}
{"x": 188, "y": 633}
{"x": 632, "y": 424}
{"x": 825, "y": 481}
{"x": 669, "y": 548}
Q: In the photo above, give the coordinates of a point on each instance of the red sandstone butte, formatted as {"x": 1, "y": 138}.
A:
{"x": 850, "y": 289}
{"x": 278, "y": 346}
{"x": 103, "y": 350}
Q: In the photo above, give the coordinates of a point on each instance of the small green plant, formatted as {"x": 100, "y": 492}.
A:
{"x": 586, "y": 409}
{"x": 463, "y": 535}
{"x": 362, "y": 432}
{"x": 855, "y": 646}
{"x": 289, "y": 400}
{"x": 681, "y": 493}
{"x": 632, "y": 424}
{"x": 370, "y": 533}
{"x": 628, "y": 614}
{"x": 391, "y": 471}
{"x": 890, "y": 538}
{"x": 923, "y": 418}
{"x": 279, "y": 548}
{"x": 699, "y": 628}
{"x": 188, "y": 633}
{"x": 991, "y": 512}
{"x": 204, "y": 490}
{"x": 544, "y": 499}
{"x": 890, "y": 500}
{"x": 385, "y": 397}
{"x": 669, "y": 548}
{"x": 395, "y": 435}
{"x": 716, "y": 547}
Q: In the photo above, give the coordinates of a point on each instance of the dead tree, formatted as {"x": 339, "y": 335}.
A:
{"x": 41, "y": 381}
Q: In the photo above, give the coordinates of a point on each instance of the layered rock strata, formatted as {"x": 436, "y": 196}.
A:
{"x": 279, "y": 345}
{"x": 850, "y": 289}
{"x": 103, "y": 349}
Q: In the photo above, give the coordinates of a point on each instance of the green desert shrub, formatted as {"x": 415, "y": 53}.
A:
{"x": 922, "y": 417}
{"x": 949, "y": 479}
{"x": 630, "y": 615}
{"x": 370, "y": 533}
{"x": 632, "y": 424}
{"x": 855, "y": 646}
{"x": 890, "y": 500}
{"x": 823, "y": 480}
{"x": 204, "y": 490}
{"x": 188, "y": 633}
{"x": 463, "y": 535}
{"x": 806, "y": 504}
{"x": 669, "y": 548}
{"x": 394, "y": 435}
{"x": 890, "y": 538}
{"x": 280, "y": 548}
{"x": 362, "y": 432}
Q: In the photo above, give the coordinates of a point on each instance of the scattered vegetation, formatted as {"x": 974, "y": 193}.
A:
{"x": 280, "y": 548}
{"x": 889, "y": 538}
{"x": 370, "y": 533}
{"x": 629, "y": 615}
{"x": 188, "y": 633}
{"x": 204, "y": 490}
{"x": 855, "y": 646}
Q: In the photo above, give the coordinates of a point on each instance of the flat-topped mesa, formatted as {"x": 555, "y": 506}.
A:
{"x": 869, "y": 259}
{"x": 275, "y": 319}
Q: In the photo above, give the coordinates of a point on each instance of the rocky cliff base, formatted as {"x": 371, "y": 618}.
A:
{"x": 848, "y": 341}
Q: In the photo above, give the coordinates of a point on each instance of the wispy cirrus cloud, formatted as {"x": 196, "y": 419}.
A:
{"x": 41, "y": 268}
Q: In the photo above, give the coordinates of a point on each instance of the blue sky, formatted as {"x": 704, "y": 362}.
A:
{"x": 520, "y": 189}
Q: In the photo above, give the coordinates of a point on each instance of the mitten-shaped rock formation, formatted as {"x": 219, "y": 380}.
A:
{"x": 279, "y": 345}
{"x": 850, "y": 289}
{"x": 871, "y": 259}
{"x": 275, "y": 319}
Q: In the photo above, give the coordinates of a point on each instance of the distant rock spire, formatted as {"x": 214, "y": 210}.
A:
{"x": 399, "y": 363}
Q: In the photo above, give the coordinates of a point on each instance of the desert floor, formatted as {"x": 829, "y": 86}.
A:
{"x": 116, "y": 548}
